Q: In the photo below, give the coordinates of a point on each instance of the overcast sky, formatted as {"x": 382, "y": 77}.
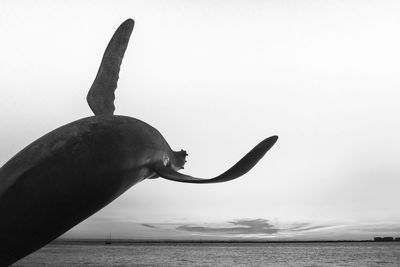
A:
{"x": 215, "y": 78}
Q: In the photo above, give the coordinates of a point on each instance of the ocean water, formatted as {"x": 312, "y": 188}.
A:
{"x": 206, "y": 254}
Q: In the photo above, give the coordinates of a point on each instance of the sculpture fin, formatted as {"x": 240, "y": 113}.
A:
{"x": 101, "y": 95}
{"x": 240, "y": 168}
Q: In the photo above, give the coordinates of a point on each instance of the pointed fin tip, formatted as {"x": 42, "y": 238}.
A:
{"x": 126, "y": 26}
{"x": 269, "y": 142}
{"x": 129, "y": 22}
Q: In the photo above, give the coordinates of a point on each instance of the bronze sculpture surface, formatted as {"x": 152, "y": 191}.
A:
{"x": 72, "y": 172}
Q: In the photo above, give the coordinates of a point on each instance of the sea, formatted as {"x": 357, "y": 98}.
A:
{"x": 216, "y": 254}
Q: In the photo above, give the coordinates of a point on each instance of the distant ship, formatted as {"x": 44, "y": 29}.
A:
{"x": 108, "y": 241}
{"x": 386, "y": 239}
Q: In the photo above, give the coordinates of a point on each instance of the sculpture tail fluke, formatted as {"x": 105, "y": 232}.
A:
{"x": 240, "y": 168}
{"x": 101, "y": 95}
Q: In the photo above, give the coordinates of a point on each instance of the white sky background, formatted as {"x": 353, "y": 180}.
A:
{"x": 215, "y": 78}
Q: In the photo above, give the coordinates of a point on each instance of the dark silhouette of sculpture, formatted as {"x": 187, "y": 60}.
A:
{"x": 72, "y": 172}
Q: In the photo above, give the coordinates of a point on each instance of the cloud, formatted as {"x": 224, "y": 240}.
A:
{"x": 263, "y": 228}
{"x": 253, "y": 228}
{"x": 302, "y": 227}
{"x": 376, "y": 228}
{"x": 148, "y": 225}
{"x": 241, "y": 227}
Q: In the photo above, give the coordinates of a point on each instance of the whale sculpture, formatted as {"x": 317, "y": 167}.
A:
{"x": 72, "y": 172}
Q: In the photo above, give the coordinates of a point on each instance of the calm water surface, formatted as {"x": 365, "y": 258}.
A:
{"x": 283, "y": 254}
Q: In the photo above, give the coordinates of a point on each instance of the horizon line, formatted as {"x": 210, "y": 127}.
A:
{"x": 149, "y": 241}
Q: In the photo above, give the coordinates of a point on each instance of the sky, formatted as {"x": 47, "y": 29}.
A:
{"x": 215, "y": 78}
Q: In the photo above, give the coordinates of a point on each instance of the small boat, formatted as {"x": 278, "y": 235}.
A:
{"x": 108, "y": 241}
